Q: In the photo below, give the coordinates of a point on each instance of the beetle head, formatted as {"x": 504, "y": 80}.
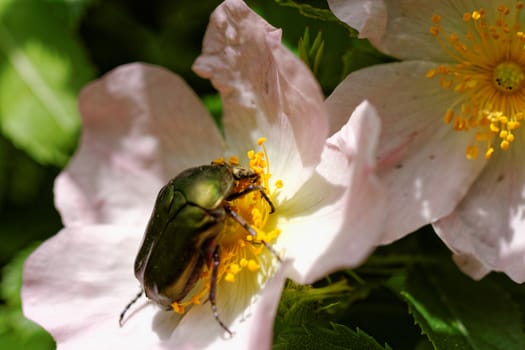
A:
{"x": 242, "y": 173}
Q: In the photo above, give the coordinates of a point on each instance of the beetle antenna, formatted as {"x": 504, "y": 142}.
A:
{"x": 250, "y": 230}
{"x": 213, "y": 289}
{"x": 126, "y": 308}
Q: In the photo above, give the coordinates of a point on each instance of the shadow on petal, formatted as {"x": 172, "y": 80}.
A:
{"x": 165, "y": 322}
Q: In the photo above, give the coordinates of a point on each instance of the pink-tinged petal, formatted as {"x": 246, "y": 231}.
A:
{"x": 338, "y": 217}
{"x": 85, "y": 276}
{"x": 252, "y": 327}
{"x": 259, "y": 327}
{"x": 414, "y": 142}
{"x": 266, "y": 92}
{"x": 142, "y": 125}
{"x": 489, "y": 224}
{"x": 408, "y": 27}
{"x": 77, "y": 283}
{"x": 368, "y": 17}
{"x": 396, "y": 27}
{"x": 470, "y": 266}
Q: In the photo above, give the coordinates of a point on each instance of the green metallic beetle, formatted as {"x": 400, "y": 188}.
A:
{"x": 181, "y": 236}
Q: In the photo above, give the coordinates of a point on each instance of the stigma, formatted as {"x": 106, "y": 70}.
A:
{"x": 487, "y": 73}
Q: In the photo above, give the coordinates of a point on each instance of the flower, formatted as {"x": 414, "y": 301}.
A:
{"x": 142, "y": 125}
{"x": 451, "y": 148}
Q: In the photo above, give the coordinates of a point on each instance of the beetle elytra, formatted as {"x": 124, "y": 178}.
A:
{"x": 181, "y": 238}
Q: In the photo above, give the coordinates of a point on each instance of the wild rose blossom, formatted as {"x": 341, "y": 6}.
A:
{"x": 452, "y": 144}
{"x": 142, "y": 126}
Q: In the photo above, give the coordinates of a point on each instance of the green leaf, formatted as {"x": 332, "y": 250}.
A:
{"x": 335, "y": 337}
{"x": 303, "y": 314}
{"x": 303, "y": 304}
{"x": 42, "y": 68}
{"x": 311, "y": 54}
{"x": 456, "y": 312}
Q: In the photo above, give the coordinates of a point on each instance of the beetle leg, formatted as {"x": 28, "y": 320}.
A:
{"x": 249, "y": 189}
{"x": 250, "y": 229}
{"x": 213, "y": 288}
{"x": 126, "y": 308}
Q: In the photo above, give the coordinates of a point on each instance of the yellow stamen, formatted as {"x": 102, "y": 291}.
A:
{"x": 252, "y": 265}
{"x": 178, "y": 308}
{"x": 487, "y": 73}
{"x": 242, "y": 254}
{"x": 229, "y": 277}
{"x": 218, "y": 161}
{"x": 234, "y": 160}
{"x": 472, "y": 152}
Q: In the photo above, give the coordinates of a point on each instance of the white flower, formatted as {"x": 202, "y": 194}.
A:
{"x": 143, "y": 126}
{"x": 452, "y": 147}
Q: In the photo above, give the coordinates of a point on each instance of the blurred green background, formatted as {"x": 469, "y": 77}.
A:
{"x": 49, "y": 49}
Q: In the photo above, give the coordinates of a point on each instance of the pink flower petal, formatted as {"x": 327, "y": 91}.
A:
{"x": 77, "y": 283}
{"x": 414, "y": 145}
{"x": 259, "y": 327}
{"x": 396, "y": 27}
{"x": 266, "y": 92}
{"x": 85, "y": 276}
{"x": 345, "y": 202}
{"x": 368, "y": 17}
{"x": 470, "y": 265}
{"x": 488, "y": 226}
{"x": 252, "y": 329}
{"x": 142, "y": 126}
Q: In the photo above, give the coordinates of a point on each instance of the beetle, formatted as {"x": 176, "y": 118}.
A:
{"x": 181, "y": 235}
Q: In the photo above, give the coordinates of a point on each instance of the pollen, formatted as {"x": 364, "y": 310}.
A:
{"x": 234, "y": 160}
{"x": 253, "y": 265}
{"x": 229, "y": 277}
{"x": 218, "y": 161}
{"x": 487, "y": 73}
{"x": 178, "y": 308}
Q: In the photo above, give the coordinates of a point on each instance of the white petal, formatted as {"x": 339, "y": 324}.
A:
{"x": 337, "y": 218}
{"x": 252, "y": 327}
{"x": 266, "y": 91}
{"x": 401, "y": 28}
{"x": 489, "y": 224}
{"x": 77, "y": 283}
{"x": 414, "y": 142}
{"x": 142, "y": 125}
{"x": 470, "y": 266}
{"x": 368, "y": 17}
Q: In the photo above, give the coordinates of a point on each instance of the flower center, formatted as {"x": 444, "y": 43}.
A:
{"x": 244, "y": 258}
{"x": 487, "y": 73}
{"x": 508, "y": 77}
